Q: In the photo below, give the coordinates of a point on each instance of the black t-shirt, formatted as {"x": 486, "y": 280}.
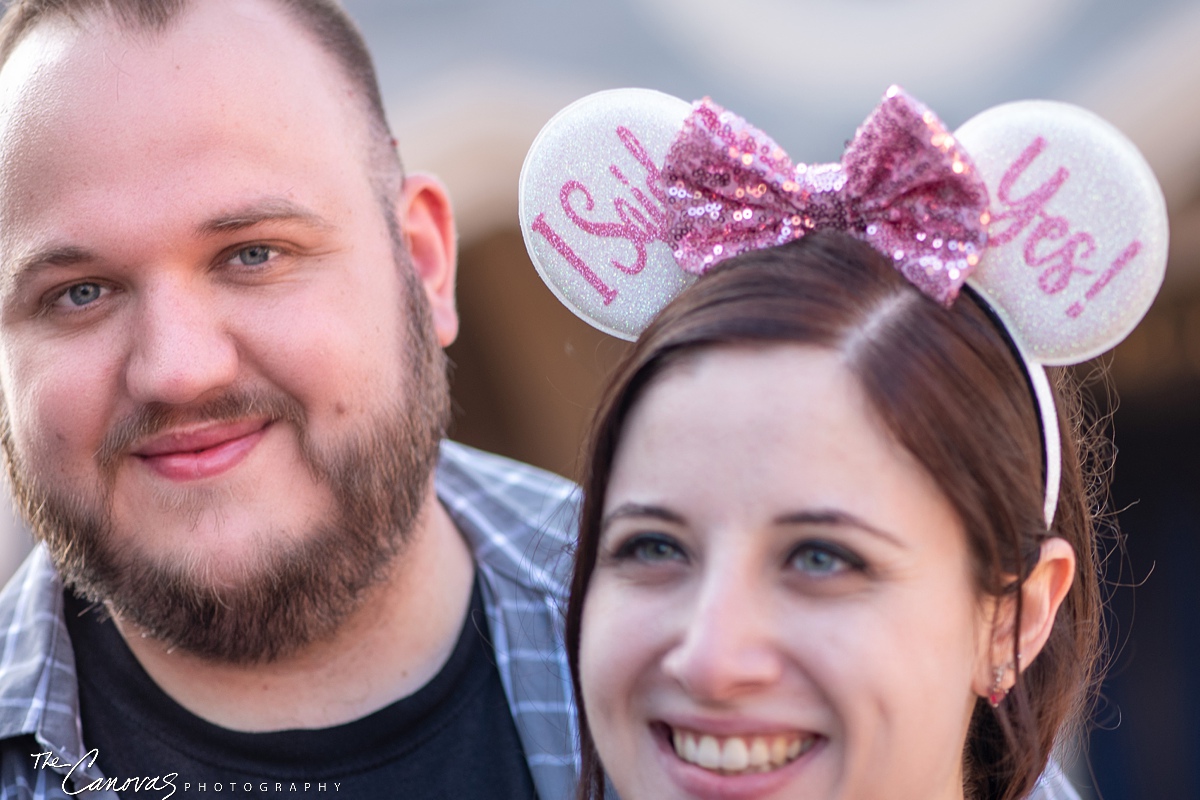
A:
{"x": 453, "y": 738}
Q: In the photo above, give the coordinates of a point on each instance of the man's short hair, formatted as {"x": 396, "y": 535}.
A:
{"x": 324, "y": 20}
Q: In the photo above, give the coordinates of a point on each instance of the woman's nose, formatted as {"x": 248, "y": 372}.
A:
{"x": 726, "y": 646}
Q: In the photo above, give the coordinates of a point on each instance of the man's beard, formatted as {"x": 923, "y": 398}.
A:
{"x": 295, "y": 593}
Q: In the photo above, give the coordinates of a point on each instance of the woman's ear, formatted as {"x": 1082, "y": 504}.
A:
{"x": 427, "y": 224}
{"x": 1041, "y": 595}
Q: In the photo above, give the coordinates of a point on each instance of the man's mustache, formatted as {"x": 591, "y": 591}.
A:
{"x": 152, "y": 419}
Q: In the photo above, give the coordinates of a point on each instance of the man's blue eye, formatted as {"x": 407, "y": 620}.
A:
{"x": 81, "y": 294}
{"x": 254, "y": 255}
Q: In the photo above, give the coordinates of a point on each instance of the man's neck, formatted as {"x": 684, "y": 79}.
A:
{"x": 391, "y": 646}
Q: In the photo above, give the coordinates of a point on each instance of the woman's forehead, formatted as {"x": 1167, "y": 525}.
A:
{"x": 767, "y": 429}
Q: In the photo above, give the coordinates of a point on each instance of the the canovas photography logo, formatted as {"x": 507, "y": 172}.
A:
{"x": 163, "y": 786}
{"x": 72, "y": 786}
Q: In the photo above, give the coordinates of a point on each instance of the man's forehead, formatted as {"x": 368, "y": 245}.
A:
{"x": 97, "y": 60}
{"x": 236, "y": 79}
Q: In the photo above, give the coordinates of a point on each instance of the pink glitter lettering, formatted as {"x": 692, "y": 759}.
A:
{"x": 1056, "y": 277}
{"x": 642, "y": 156}
{"x": 1019, "y": 213}
{"x": 541, "y": 226}
{"x": 1122, "y": 261}
{"x": 1118, "y": 265}
{"x": 653, "y": 210}
{"x": 1062, "y": 263}
{"x": 638, "y": 228}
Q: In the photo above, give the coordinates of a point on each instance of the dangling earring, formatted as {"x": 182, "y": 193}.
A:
{"x": 997, "y": 695}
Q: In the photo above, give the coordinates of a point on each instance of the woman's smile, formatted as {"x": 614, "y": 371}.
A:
{"x": 736, "y": 755}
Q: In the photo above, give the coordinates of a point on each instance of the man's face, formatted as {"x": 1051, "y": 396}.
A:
{"x": 222, "y": 391}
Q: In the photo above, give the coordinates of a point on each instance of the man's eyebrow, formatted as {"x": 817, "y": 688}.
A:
{"x": 30, "y": 264}
{"x": 641, "y": 510}
{"x": 268, "y": 210}
{"x": 836, "y": 518}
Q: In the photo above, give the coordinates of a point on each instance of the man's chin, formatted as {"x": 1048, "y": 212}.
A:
{"x": 236, "y": 613}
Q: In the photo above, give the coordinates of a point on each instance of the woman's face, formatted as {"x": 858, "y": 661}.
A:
{"x": 782, "y": 604}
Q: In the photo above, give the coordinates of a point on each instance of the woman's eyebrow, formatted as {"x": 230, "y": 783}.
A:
{"x": 830, "y": 516}
{"x": 626, "y": 510}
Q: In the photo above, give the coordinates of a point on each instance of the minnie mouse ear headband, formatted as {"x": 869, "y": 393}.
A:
{"x": 628, "y": 195}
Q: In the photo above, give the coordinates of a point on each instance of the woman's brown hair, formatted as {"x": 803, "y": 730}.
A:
{"x": 949, "y": 387}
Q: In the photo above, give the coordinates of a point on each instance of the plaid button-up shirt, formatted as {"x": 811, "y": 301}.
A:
{"x": 519, "y": 522}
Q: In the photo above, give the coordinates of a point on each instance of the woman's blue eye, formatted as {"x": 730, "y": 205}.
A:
{"x": 650, "y": 549}
{"x": 656, "y": 550}
{"x": 821, "y": 560}
{"x": 82, "y": 294}
{"x": 254, "y": 255}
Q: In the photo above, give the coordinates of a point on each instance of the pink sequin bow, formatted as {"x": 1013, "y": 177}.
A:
{"x": 903, "y": 186}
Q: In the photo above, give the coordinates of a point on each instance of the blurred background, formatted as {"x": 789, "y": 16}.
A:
{"x": 468, "y": 84}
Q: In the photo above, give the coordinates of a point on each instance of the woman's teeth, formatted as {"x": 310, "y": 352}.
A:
{"x": 733, "y": 755}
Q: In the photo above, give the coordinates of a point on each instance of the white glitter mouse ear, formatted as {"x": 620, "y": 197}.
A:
{"x": 591, "y": 207}
{"x": 1077, "y": 242}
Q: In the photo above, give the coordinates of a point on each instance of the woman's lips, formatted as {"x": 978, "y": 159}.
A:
{"x": 201, "y": 453}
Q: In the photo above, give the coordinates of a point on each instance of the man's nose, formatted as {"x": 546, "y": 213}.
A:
{"x": 727, "y": 647}
{"x": 181, "y": 348}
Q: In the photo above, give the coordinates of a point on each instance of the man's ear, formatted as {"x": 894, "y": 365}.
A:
{"x": 1041, "y": 595}
{"x": 427, "y": 225}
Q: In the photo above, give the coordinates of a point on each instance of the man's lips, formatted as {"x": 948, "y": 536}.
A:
{"x": 201, "y": 452}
